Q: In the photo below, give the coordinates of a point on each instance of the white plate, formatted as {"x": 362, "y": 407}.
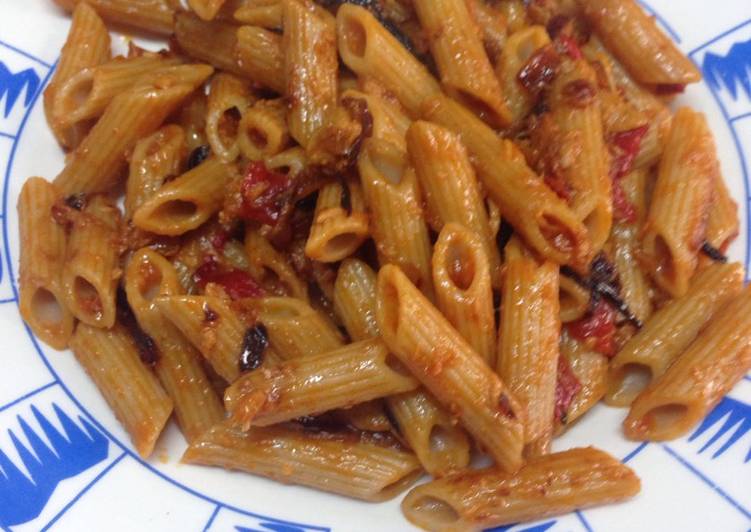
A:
{"x": 95, "y": 481}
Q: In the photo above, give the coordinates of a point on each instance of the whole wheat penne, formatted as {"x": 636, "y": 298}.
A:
{"x": 582, "y": 158}
{"x": 517, "y": 51}
{"x": 97, "y": 163}
{"x": 647, "y": 355}
{"x": 634, "y": 37}
{"x": 87, "y": 45}
{"x": 187, "y": 201}
{"x": 228, "y": 99}
{"x": 86, "y": 94}
{"x": 154, "y": 16}
{"x": 551, "y": 485}
{"x": 271, "y": 268}
{"x": 346, "y": 463}
{"x": 369, "y": 49}
{"x": 92, "y": 268}
{"x": 263, "y": 130}
{"x": 264, "y": 13}
{"x": 178, "y": 367}
{"x": 446, "y": 364}
{"x": 542, "y": 218}
{"x": 311, "y": 385}
{"x": 310, "y": 67}
{"x": 340, "y": 224}
{"x": 155, "y": 159}
{"x": 463, "y": 288}
{"x": 295, "y": 329}
{"x": 706, "y": 371}
{"x": 450, "y": 186}
{"x": 466, "y": 73}
{"x": 528, "y": 337}
{"x": 440, "y": 443}
{"x": 213, "y": 328}
{"x": 260, "y": 56}
{"x": 393, "y": 197}
{"x": 41, "y": 298}
{"x": 111, "y": 359}
{"x": 676, "y": 224}
{"x": 355, "y": 299}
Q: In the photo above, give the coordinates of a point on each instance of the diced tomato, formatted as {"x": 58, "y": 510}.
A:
{"x": 626, "y": 146}
{"x": 598, "y": 324}
{"x": 540, "y": 70}
{"x": 237, "y": 283}
{"x": 566, "y": 388}
{"x": 623, "y": 209}
{"x": 264, "y": 194}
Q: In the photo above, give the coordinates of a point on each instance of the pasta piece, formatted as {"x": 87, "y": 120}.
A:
{"x": 393, "y": 197}
{"x": 573, "y": 299}
{"x": 260, "y": 56}
{"x": 310, "y": 67}
{"x": 369, "y": 49}
{"x": 178, "y": 367}
{"x": 340, "y": 224}
{"x": 154, "y": 16}
{"x": 634, "y": 283}
{"x": 647, "y": 355}
{"x": 41, "y": 298}
{"x": 518, "y": 50}
{"x": 295, "y": 329}
{"x": 590, "y": 371}
{"x": 346, "y": 464}
{"x": 87, "y": 45}
{"x": 155, "y": 159}
{"x": 650, "y": 56}
{"x": 98, "y": 162}
{"x": 706, "y": 371}
{"x": 263, "y": 130}
{"x": 92, "y": 268}
{"x": 441, "y": 445}
{"x": 547, "y": 486}
{"x": 723, "y": 225}
{"x": 581, "y": 155}
{"x": 271, "y": 268}
{"x": 86, "y": 94}
{"x": 448, "y": 181}
{"x": 186, "y": 202}
{"x": 466, "y": 73}
{"x": 369, "y": 417}
{"x": 676, "y": 224}
{"x": 492, "y": 25}
{"x": 214, "y": 42}
{"x": 192, "y": 118}
{"x": 264, "y": 13}
{"x": 206, "y": 9}
{"x": 291, "y": 161}
{"x": 389, "y": 123}
{"x": 464, "y": 294}
{"x": 131, "y": 390}
{"x": 445, "y": 363}
{"x": 229, "y": 97}
{"x": 528, "y": 338}
{"x": 355, "y": 297}
{"x": 213, "y": 328}
{"x": 541, "y": 217}
{"x": 315, "y": 384}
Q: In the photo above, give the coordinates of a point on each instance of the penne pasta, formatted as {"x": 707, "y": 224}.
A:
{"x": 528, "y": 338}
{"x": 264, "y": 13}
{"x": 449, "y": 368}
{"x": 155, "y": 16}
{"x": 271, "y": 268}
{"x": 262, "y": 131}
{"x": 87, "y": 45}
{"x": 41, "y": 297}
{"x": 206, "y": 9}
{"x": 197, "y": 407}
{"x": 681, "y": 397}
{"x": 228, "y": 100}
{"x": 259, "y": 54}
{"x": 92, "y": 268}
{"x": 676, "y": 224}
{"x": 355, "y": 297}
{"x": 647, "y": 355}
{"x": 346, "y": 464}
{"x": 547, "y": 486}
{"x": 134, "y": 394}
{"x": 464, "y": 294}
{"x": 315, "y": 384}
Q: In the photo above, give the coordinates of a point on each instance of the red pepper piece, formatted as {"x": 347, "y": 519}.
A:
{"x": 598, "y": 324}
{"x": 566, "y": 388}
{"x": 264, "y": 194}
